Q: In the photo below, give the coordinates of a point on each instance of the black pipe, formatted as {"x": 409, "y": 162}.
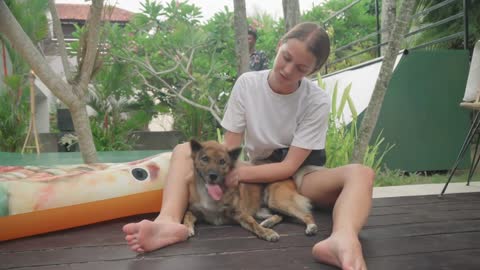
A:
{"x": 379, "y": 38}
{"x": 465, "y": 24}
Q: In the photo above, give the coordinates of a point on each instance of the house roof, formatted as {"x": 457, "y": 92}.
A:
{"x": 79, "y": 12}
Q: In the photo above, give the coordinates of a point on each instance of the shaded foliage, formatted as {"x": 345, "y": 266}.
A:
{"x": 178, "y": 60}
{"x": 14, "y": 95}
{"x": 449, "y": 28}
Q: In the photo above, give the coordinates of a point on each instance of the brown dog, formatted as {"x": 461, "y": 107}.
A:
{"x": 212, "y": 201}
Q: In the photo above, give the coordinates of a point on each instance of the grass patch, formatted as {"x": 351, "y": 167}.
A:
{"x": 393, "y": 178}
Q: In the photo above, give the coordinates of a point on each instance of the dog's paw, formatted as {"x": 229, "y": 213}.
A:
{"x": 191, "y": 232}
{"x": 271, "y": 235}
{"x": 312, "y": 229}
{"x": 271, "y": 221}
{"x": 267, "y": 223}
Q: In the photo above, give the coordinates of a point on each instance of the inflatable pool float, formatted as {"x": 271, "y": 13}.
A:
{"x": 40, "y": 199}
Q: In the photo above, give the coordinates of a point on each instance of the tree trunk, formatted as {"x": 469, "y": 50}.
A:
{"x": 73, "y": 96}
{"x": 241, "y": 30}
{"x": 57, "y": 29}
{"x": 371, "y": 114}
{"x": 291, "y": 13}
{"x": 389, "y": 13}
{"x": 81, "y": 123}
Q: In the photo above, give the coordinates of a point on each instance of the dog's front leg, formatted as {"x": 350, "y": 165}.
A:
{"x": 249, "y": 223}
{"x": 189, "y": 221}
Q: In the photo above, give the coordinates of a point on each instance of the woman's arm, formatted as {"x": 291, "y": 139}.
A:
{"x": 271, "y": 172}
{"x": 233, "y": 140}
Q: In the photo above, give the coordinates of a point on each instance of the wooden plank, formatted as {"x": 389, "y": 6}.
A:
{"x": 289, "y": 258}
{"x": 420, "y": 217}
{"x": 103, "y": 233}
{"x": 400, "y": 246}
{"x": 455, "y": 259}
{"x": 373, "y": 247}
{"x": 420, "y": 229}
{"x": 426, "y": 199}
{"x": 64, "y": 256}
{"x": 118, "y": 252}
{"x": 439, "y": 206}
{"x": 110, "y": 233}
{"x": 423, "y": 233}
{"x": 49, "y": 267}
{"x": 296, "y": 258}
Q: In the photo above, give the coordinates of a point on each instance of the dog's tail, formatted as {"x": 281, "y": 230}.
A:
{"x": 303, "y": 202}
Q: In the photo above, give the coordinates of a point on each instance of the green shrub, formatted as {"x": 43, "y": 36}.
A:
{"x": 14, "y": 117}
{"x": 341, "y": 136}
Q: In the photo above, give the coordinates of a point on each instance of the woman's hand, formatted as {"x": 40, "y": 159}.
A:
{"x": 233, "y": 178}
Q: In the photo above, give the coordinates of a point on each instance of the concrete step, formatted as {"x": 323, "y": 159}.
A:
{"x": 424, "y": 189}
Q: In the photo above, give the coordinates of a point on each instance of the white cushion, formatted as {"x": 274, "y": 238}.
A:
{"x": 472, "y": 90}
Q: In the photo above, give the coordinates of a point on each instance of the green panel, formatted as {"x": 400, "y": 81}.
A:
{"x": 67, "y": 158}
{"x": 421, "y": 113}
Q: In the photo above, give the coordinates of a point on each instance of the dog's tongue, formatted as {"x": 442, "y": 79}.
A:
{"x": 215, "y": 191}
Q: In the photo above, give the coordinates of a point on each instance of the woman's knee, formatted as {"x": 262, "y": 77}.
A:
{"x": 181, "y": 163}
{"x": 182, "y": 149}
{"x": 367, "y": 174}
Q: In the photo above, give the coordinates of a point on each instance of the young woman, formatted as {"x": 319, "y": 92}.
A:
{"x": 281, "y": 112}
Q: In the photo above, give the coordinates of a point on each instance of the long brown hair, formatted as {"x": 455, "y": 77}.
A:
{"x": 316, "y": 39}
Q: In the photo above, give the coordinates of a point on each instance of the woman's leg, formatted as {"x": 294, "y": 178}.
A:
{"x": 349, "y": 190}
{"x": 166, "y": 229}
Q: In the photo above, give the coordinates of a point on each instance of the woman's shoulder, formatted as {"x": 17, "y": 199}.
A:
{"x": 252, "y": 80}
{"x": 316, "y": 93}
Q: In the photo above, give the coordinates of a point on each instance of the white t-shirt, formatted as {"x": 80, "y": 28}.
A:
{"x": 272, "y": 120}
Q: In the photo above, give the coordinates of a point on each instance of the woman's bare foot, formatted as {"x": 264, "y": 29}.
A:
{"x": 340, "y": 251}
{"x": 147, "y": 235}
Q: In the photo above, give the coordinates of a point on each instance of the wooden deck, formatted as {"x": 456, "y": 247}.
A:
{"x": 421, "y": 232}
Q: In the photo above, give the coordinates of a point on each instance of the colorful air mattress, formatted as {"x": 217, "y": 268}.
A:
{"x": 39, "y": 199}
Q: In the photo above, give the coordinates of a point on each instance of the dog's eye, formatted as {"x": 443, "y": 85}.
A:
{"x": 222, "y": 161}
{"x": 204, "y": 158}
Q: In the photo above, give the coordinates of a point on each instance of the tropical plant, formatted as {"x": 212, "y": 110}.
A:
{"x": 72, "y": 93}
{"x": 14, "y": 95}
{"x": 14, "y": 117}
{"x": 116, "y": 113}
{"x": 181, "y": 63}
{"x": 194, "y": 122}
{"x": 114, "y": 137}
{"x": 341, "y": 135}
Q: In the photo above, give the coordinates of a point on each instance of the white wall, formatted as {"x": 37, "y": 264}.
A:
{"x": 363, "y": 82}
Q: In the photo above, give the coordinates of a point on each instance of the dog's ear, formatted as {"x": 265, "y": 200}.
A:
{"x": 235, "y": 153}
{"x": 195, "y": 146}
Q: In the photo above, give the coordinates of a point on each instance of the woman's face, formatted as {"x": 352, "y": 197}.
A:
{"x": 292, "y": 63}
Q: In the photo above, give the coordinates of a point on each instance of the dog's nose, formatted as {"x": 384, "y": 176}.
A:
{"x": 213, "y": 176}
